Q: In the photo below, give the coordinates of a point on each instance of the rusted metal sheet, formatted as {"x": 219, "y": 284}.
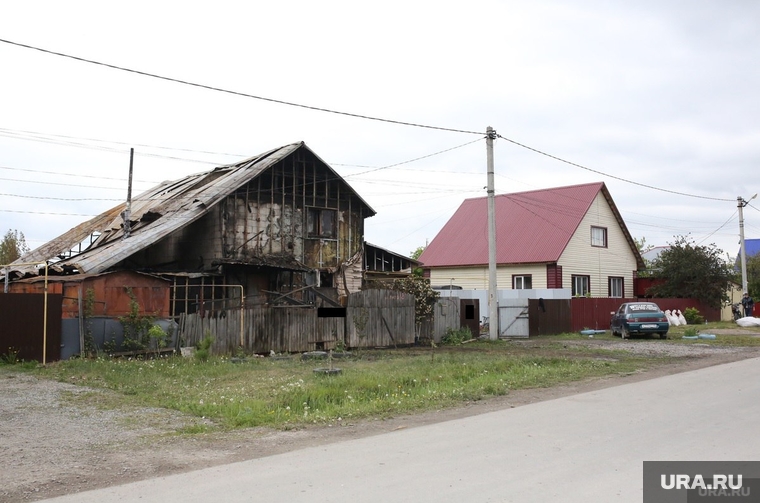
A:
{"x": 109, "y": 293}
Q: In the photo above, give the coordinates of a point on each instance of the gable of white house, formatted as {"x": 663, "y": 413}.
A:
{"x": 599, "y": 263}
{"x": 614, "y": 259}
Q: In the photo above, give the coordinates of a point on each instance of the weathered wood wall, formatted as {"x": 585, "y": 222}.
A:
{"x": 373, "y": 318}
{"x": 378, "y": 317}
{"x": 446, "y": 315}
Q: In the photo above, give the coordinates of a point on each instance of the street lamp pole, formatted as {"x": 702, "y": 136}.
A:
{"x": 740, "y": 204}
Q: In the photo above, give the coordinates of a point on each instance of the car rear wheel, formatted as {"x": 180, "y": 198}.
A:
{"x": 663, "y": 336}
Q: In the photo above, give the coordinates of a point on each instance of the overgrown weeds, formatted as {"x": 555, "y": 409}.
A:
{"x": 377, "y": 383}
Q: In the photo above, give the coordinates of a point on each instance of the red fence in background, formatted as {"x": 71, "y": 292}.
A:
{"x": 594, "y": 313}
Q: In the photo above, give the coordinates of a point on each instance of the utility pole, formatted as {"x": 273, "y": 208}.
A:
{"x": 493, "y": 300}
{"x": 740, "y": 204}
{"x": 127, "y": 213}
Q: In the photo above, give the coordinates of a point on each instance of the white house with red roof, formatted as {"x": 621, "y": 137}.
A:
{"x": 564, "y": 237}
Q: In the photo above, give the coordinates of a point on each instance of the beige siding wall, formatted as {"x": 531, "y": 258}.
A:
{"x": 579, "y": 258}
{"x": 476, "y": 278}
{"x": 617, "y": 259}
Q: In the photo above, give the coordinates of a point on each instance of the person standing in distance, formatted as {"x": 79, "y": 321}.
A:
{"x": 748, "y": 304}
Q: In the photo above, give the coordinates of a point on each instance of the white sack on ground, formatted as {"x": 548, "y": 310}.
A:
{"x": 748, "y": 321}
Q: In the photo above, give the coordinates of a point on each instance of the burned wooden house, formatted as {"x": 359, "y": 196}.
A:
{"x": 266, "y": 255}
{"x": 280, "y": 227}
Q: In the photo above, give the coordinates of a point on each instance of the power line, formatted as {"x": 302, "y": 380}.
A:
{"x": 48, "y": 213}
{"x": 719, "y": 228}
{"x": 61, "y": 184}
{"x": 78, "y": 175}
{"x": 608, "y": 175}
{"x": 60, "y": 198}
{"x": 415, "y": 159}
{"x": 11, "y": 133}
{"x": 238, "y": 93}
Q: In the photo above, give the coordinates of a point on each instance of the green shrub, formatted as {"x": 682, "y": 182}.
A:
{"x": 692, "y": 316}
{"x": 158, "y": 337}
{"x": 11, "y": 357}
{"x": 203, "y": 350}
{"x": 458, "y": 336}
{"x": 690, "y": 331}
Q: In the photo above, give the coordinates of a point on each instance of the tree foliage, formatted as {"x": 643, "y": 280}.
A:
{"x": 641, "y": 244}
{"x": 424, "y": 295}
{"x": 13, "y": 246}
{"x": 753, "y": 275}
{"x": 692, "y": 271}
{"x": 416, "y": 253}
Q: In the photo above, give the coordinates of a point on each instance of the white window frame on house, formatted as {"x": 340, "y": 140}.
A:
{"x": 321, "y": 223}
{"x": 598, "y": 236}
{"x": 581, "y": 285}
{"x": 616, "y": 286}
{"x": 522, "y": 281}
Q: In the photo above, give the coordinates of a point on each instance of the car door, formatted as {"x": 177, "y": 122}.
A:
{"x": 617, "y": 318}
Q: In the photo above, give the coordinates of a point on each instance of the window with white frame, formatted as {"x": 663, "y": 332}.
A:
{"x": 599, "y": 236}
{"x": 522, "y": 282}
{"x": 581, "y": 286}
{"x": 616, "y": 287}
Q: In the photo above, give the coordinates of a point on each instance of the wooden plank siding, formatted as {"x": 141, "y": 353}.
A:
{"x": 599, "y": 263}
{"x": 378, "y": 317}
{"x": 372, "y": 316}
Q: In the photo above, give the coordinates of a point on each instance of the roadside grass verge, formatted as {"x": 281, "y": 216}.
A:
{"x": 373, "y": 383}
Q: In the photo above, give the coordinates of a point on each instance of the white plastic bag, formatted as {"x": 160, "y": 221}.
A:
{"x": 748, "y": 321}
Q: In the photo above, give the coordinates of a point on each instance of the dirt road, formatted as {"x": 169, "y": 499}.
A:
{"x": 53, "y": 445}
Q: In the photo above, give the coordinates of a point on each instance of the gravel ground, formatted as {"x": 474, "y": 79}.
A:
{"x": 57, "y": 441}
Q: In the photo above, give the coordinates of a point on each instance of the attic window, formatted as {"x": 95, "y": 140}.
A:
{"x": 321, "y": 223}
{"x": 599, "y": 237}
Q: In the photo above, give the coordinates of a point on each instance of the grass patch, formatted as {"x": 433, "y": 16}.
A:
{"x": 374, "y": 383}
{"x": 287, "y": 393}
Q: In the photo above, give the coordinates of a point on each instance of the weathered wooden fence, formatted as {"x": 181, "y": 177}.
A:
{"x": 372, "y": 318}
{"x": 380, "y": 317}
{"x": 446, "y": 315}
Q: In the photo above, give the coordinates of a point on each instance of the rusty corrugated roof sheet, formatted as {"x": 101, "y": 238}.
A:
{"x": 154, "y": 214}
{"x": 531, "y": 227}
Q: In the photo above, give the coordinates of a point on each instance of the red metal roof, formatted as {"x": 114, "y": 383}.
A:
{"x": 531, "y": 227}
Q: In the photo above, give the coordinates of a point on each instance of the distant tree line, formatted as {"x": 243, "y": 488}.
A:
{"x": 13, "y": 246}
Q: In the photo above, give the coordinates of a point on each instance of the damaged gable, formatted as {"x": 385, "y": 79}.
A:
{"x": 285, "y": 209}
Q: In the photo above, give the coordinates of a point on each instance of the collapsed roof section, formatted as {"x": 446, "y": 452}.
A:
{"x": 100, "y": 243}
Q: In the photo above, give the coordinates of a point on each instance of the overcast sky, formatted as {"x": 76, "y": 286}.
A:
{"x": 658, "y": 99}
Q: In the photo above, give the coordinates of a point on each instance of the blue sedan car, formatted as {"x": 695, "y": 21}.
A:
{"x": 639, "y": 318}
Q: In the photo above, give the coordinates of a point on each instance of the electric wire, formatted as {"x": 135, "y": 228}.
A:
{"x": 213, "y": 88}
{"x": 238, "y": 93}
{"x": 607, "y": 174}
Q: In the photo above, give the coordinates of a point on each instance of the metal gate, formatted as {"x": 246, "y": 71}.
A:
{"x": 513, "y": 319}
